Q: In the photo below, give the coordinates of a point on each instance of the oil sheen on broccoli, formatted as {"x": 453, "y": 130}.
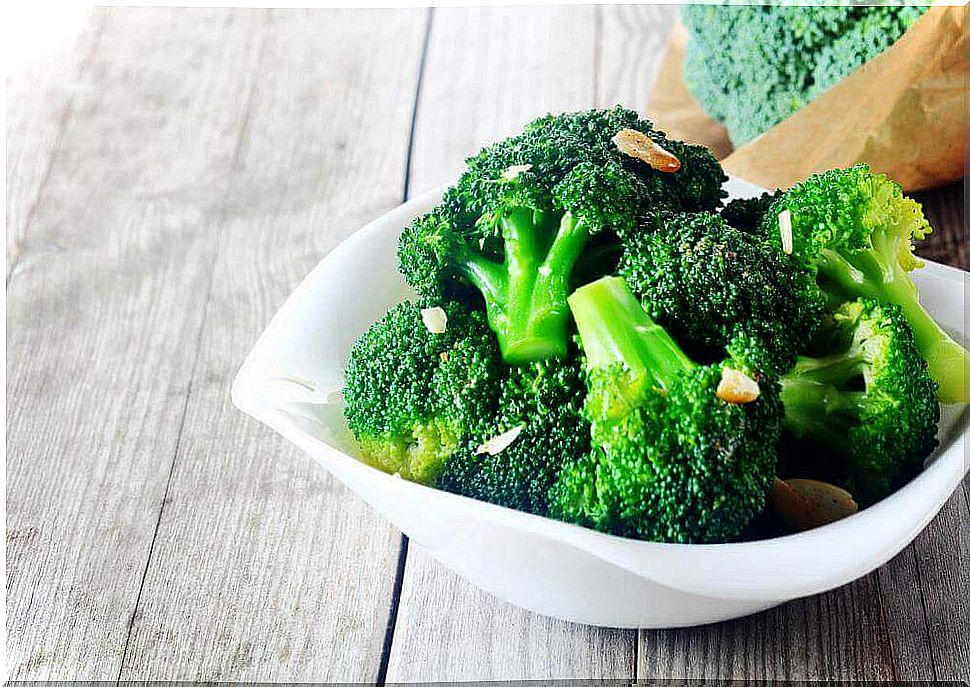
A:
{"x": 413, "y": 397}
{"x": 522, "y": 217}
{"x": 853, "y": 231}
{"x": 716, "y": 288}
{"x": 751, "y": 66}
{"x": 671, "y": 461}
{"x": 541, "y": 401}
{"x": 868, "y": 399}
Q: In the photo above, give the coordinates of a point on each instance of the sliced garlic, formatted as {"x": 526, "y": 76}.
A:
{"x": 501, "y": 442}
{"x": 784, "y": 228}
{"x": 802, "y": 504}
{"x": 737, "y": 387}
{"x": 640, "y": 146}
{"x": 435, "y": 320}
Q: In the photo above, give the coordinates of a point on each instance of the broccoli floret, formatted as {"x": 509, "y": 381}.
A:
{"x": 541, "y": 405}
{"x": 869, "y": 400}
{"x": 412, "y": 397}
{"x": 853, "y": 231}
{"x": 671, "y": 461}
{"x": 519, "y": 219}
{"x": 716, "y": 288}
{"x": 751, "y": 66}
{"x": 746, "y": 213}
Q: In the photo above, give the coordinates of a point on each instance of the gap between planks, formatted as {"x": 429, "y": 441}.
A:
{"x": 405, "y": 196}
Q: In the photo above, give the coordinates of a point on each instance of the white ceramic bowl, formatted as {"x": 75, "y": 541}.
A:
{"x": 547, "y": 566}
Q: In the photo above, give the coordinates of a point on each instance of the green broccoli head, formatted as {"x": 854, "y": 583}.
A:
{"x": 540, "y": 409}
{"x": 520, "y": 221}
{"x": 413, "y": 397}
{"x": 752, "y": 66}
{"x": 716, "y": 288}
{"x": 745, "y": 214}
{"x": 869, "y": 399}
{"x": 671, "y": 461}
{"x": 853, "y": 232}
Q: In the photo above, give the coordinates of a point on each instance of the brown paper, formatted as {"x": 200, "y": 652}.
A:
{"x": 903, "y": 112}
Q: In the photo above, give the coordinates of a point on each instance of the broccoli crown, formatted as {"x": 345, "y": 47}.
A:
{"x": 519, "y": 219}
{"x": 670, "y": 461}
{"x": 715, "y": 287}
{"x": 751, "y": 66}
{"x": 745, "y": 214}
{"x": 853, "y": 231}
{"x": 412, "y": 397}
{"x": 869, "y": 399}
{"x": 542, "y": 401}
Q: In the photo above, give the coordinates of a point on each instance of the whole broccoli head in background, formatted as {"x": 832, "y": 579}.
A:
{"x": 531, "y": 211}
{"x": 412, "y": 397}
{"x": 751, "y": 66}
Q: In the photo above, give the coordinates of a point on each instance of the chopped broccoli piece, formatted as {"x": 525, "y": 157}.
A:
{"x": 752, "y": 66}
{"x": 869, "y": 399}
{"x": 671, "y": 461}
{"x": 716, "y": 288}
{"x": 853, "y": 231}
{"x": 516, "y": 226}
{"x": 746, "y": 213}
{"x": 413, "y": 397}
{"x": 544, "y": 399}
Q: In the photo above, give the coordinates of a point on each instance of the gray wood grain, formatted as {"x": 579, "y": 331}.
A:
{"x": 264, "y": 567}
{"x": 40, "y": 101}
{"x": 99, "y": 311}
{"x": 479, "y": 85}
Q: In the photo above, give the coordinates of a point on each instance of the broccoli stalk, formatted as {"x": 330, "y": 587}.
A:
{"x": 877, "y": 273}
{"x": 525, "y": 297}
{"x": 670, "y": 460}
{"x": 854, "y": 231}
{"x": 616, "y": 330}
{"x": 868, "y": 399}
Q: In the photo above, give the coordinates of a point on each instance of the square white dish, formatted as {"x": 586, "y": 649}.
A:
{"x": 542, "y": 564}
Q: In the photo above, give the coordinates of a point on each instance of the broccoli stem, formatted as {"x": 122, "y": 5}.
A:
{"x": 818, "y": 397}
{"x": 877, "y": 273}
{"x": 615, "y": 329}
{"x": 525, "y": 297}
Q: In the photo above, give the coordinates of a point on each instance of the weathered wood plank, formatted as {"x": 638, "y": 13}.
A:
{"x": 480, "y": 85}
{"x": 942, "y": 554}
{"x": 265, "y": 568}
{"x": 40, "y": 101}
{"x": 101, "y": 319}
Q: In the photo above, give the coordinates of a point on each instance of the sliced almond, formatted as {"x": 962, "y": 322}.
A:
{"x": 514, "y": 171}
{"x": 435, "y": 320}
{"x": 637, "y": 144}
{"x": 501, "y": 442}
{"x": 737, "y": 387}
{"x": 784, "y": 228}
{"x": 802, "y": 504}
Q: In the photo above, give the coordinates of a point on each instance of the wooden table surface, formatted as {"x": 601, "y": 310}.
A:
{"x": 171, "y": 176}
